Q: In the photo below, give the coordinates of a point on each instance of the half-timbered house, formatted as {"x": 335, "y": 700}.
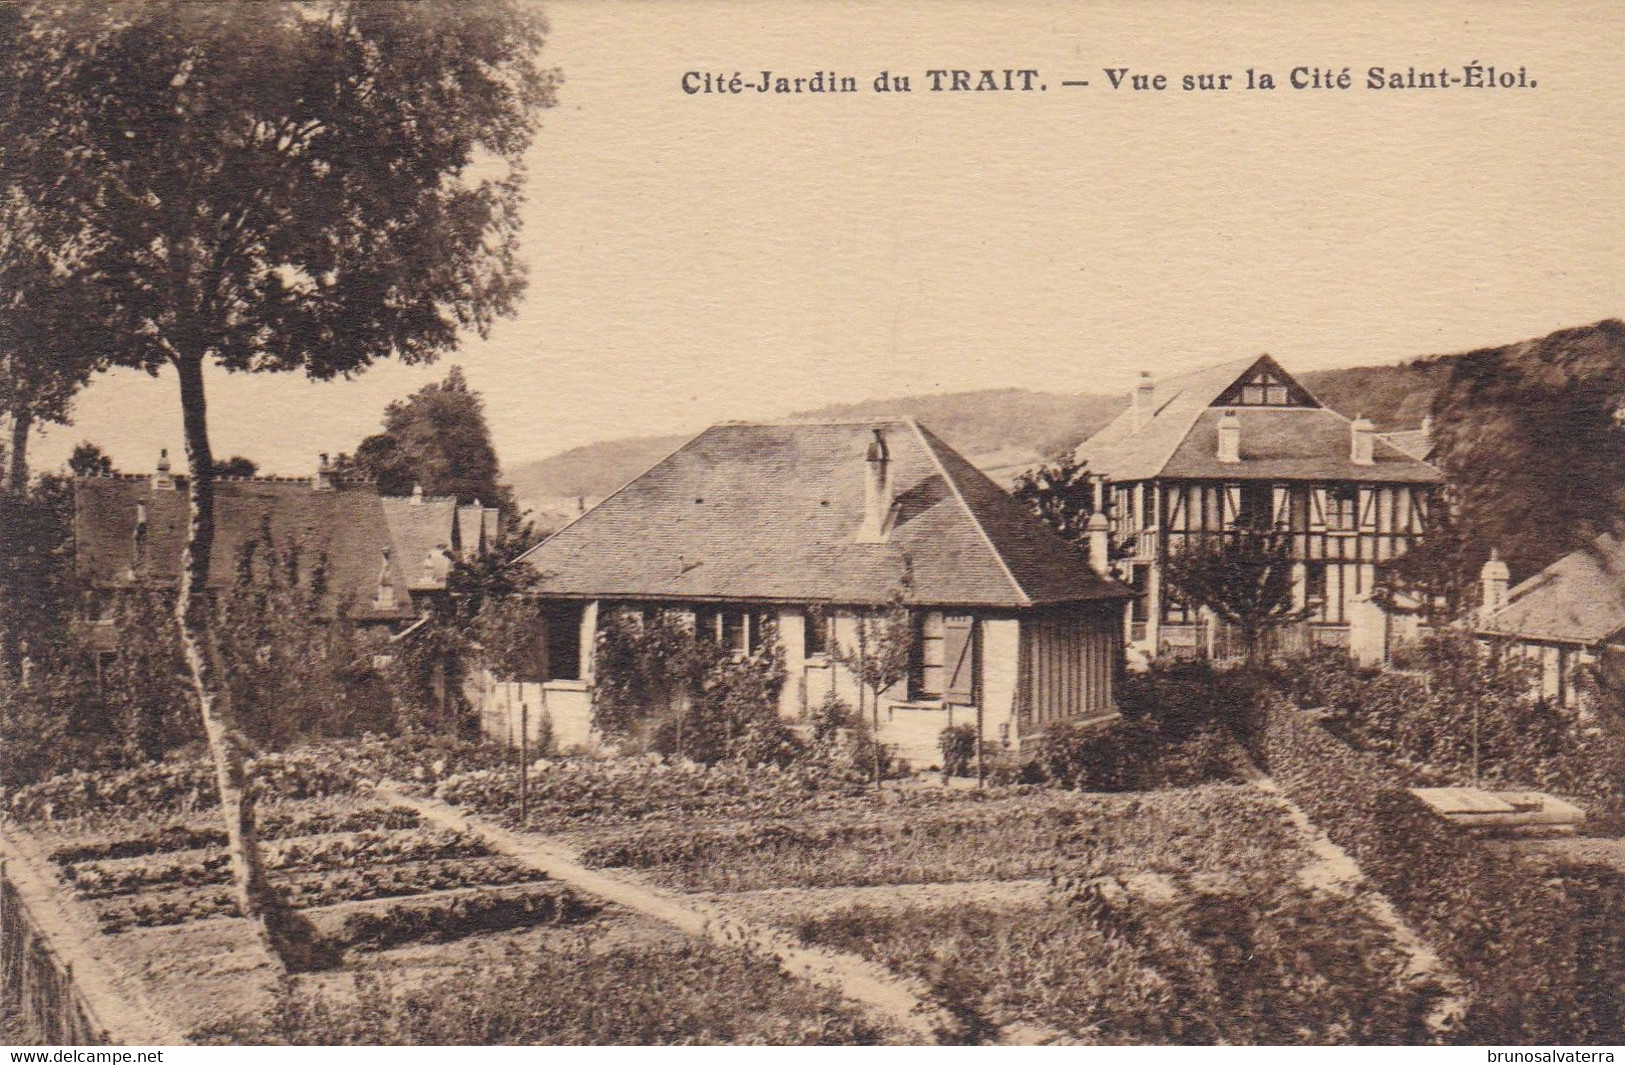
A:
{"x": 1243, "y": 445}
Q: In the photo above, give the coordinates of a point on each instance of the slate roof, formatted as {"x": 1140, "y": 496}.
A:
{"x": 771, "y": 513}
{"x": 1180, "y": 440}
{"x": 1580, "y": 598}
{"x": 346, "y": 525}
{"x": 1417, "y": 443}
{"x": 422, "y": 528}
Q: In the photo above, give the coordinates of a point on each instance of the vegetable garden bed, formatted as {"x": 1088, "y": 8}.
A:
{"x": 1209, "y": 829}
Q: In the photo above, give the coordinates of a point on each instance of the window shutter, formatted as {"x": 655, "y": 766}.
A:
{"x": 1317, "y": 509}
{"x": 1283, "y": 507}
{"x": 1232, "y": 505}
{"x": 959, "y": 656}
{"x": 1368, "y": 509}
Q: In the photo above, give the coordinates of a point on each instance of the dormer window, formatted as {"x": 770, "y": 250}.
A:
{"x": 1263, "y": 389}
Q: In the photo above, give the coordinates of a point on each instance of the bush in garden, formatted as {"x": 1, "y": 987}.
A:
{"x": 297, "y": 669}
{"x": 144, "y": 686}
{"x": 1132, "y": 754}
{"x": 1425, "y": 726}
{"x": 829, "y": 719}
{"x": 958, "y": 746}
{"x": 663, "y": 686}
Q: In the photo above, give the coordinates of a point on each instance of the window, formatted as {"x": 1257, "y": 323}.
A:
{"x": 740, "y": 631}
{"x": 816, "y": 634}
{"x": 563, "y": 625}
{"x": 1139, "y": 578}
{"x": 736, "y": 631}
{"x": 928, "y": 655}
{"x": 1314, "y": 582}
{"x": 1256, "y": 508}
{"x": 1175, "y": 611}
{"x": 1343, "y": 508}
{"x": 1262, "y": 389}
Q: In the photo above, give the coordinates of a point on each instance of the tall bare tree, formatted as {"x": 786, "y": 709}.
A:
{"x": 282, "y": 187}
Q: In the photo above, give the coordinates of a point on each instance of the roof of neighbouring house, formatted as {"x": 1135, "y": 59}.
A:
{"x": 772, "y": 512}
{"x": 1302, "y": 441}
{"x": 1417, "y": 443}
{"x": 422, "y": 528}
{"x": 1580, "y": 598}
{"x": 345, "y": 529}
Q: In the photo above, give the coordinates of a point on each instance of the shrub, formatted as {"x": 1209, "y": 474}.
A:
{"x": 1469, "y": 706}
{"x": 665, "y": 687}
{"x": 958, "y": 746}
{"x": 1132, "y": 754}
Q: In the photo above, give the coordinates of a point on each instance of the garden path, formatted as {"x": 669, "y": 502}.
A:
{"x": 1334, "y": 869}
{"x": 900, "y": 1001}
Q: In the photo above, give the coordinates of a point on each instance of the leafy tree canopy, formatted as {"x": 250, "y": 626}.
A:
{"x": 437, "y": 438}
{"x": 1243, "y": 576}
{"x": 236, "y": 466}
{"x": 89, "y": 460}
{"x": 1532, "y": 436}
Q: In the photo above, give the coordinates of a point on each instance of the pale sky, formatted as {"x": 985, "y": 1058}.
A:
{"x": 701, "y": 258}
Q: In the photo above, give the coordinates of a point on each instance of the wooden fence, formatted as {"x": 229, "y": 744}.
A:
{"x": 37, "y": 984}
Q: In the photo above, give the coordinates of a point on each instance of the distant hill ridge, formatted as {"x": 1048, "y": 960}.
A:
{"x": 1002, "y": 430}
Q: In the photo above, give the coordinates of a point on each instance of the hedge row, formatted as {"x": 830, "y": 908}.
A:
{"x": 1543, "y": 951}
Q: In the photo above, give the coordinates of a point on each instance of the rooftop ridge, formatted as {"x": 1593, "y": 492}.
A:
{"x": 926, "y": 439}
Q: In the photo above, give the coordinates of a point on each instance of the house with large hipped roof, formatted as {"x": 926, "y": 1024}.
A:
{"x": 1244, "y": 445}
{"x": 801, "y": 529}
{"x": 1562, "y": 619}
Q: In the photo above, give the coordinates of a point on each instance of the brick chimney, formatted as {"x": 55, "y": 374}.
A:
{"x": 1145, "y": 399}
{"x": 323, "y": 481}
{"x": 1229, "y": 437}
{"x": 417, "y": 495}
{"x": 1362, "y": 441}
{"x": 161, "y": 480}
{"x": 877, "y": 489}
{"x": 1493, "y": 580}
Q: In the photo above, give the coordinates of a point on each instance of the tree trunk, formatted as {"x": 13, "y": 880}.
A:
{"x": 17, "y": 478}
{"x": 192, "y": 611}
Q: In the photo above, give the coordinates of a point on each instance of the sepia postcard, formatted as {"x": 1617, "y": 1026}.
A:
{"x": 677, "y": 522}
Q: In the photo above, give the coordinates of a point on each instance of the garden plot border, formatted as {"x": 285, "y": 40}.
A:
{"x": 900, "y": 1001}
{"x": 121, "y": 1006}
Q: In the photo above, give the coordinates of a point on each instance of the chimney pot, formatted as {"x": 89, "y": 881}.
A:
{"x": 1362, "y": 441}
{"x": 417, "y": 495}
{"x": 1098, "y": 530}
{"x": 1145, "y": 399}
{"x": 1493, "y": 580}
{"x": 1229, "y": 437}
{"x": 323, "y": 481}
{"x": 162, "y": 481}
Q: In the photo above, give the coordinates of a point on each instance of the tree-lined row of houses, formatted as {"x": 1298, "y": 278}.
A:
{"x": 799, "y": 531}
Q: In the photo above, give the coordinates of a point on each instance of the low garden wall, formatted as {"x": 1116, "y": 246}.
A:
{"x": 1543, "y": 950}
{"x": 37, "y": 983}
